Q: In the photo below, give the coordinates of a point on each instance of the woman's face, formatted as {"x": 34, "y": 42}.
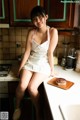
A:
{"x": 40, "y": 21}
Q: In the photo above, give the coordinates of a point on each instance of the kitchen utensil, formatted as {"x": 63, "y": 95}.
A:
{"x": 65, "y": 50}
{"x": 4, "y": 69}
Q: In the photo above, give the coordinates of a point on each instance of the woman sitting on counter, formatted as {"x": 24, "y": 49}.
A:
{"x": 37, "y": 63}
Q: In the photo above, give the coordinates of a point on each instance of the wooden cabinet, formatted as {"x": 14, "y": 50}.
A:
{"x": 46, "y": 112}
{"x": 17, "y": 12}
{"x": 20, "y": 11}
{"x": 4, "y": 11}
{"x": 61, "y": 15}
{"x": 27, "y": 109}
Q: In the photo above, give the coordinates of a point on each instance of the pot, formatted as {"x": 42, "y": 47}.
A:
{"x": 70, "y": 62}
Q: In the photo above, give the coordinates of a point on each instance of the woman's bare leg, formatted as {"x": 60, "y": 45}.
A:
{"x": 34, "y": 83}
{"x": 24, "y": 80}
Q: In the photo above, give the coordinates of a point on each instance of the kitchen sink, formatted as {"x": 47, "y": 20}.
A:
{"x": 4, "y": 69}
{"x": 70, "y": 112}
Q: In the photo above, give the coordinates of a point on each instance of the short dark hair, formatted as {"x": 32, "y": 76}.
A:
{"x": 36, "y": 11}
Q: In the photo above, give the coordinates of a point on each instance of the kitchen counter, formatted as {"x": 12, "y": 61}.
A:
{"x": 59, "y": 99}
{"x": 14, "y": 69}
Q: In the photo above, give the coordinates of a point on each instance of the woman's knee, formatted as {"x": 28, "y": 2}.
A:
{"x": 32, "y": 88}
{"x": 20, "y": 90}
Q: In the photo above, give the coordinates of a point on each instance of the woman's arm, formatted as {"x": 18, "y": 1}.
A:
{"x": 52, "y": 46}
{"x": 27, "y": 50}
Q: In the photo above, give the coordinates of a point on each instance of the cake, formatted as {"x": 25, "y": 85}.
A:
{"x": 60, "y": 81}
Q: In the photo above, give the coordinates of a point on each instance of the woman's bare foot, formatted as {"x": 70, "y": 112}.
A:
{"x": 16, "y": 114}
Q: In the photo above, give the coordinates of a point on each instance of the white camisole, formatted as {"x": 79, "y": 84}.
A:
{"x": 38, "y": 59}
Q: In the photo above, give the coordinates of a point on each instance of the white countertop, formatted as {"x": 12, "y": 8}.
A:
{"x": 9, "y": 77}
{"x": 59, "y": 97}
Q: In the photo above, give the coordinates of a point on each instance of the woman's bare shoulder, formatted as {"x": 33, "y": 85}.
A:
{"x": 31, "y": 31}
{"x": 53, "y": 33}
{"x": 53, "y": 30}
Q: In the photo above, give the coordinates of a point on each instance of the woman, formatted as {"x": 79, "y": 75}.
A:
{"x": 37, "y": 63}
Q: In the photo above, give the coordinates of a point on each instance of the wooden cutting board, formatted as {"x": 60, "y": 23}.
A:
{"x": 65, "y": 87}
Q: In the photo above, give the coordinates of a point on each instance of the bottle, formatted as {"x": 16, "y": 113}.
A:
{"x": 63, "y": 62}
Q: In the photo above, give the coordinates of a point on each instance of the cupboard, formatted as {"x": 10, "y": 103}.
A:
{"x": 20, "y": 11}
{"x": 17, "y": 12}
{"x": 61, "y": 14}
{"x": 4, "y": 11}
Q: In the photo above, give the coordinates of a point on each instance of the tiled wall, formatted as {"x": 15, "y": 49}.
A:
{"x": 13, "y": 40}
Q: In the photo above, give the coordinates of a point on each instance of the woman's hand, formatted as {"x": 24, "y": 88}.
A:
{"x": 52, "y": 72}
{"x": 18, "y": 73}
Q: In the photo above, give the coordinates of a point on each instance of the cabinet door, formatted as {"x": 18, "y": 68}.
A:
{"x": 60, "y": 14}
{"x": 20, "y": 11}
{"x": 45, "y": 108}
{"x": 4, "y": 13}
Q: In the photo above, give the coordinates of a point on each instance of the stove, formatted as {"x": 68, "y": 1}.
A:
{"x": 4, "y": 69}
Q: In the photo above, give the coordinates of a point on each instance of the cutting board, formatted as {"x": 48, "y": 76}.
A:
{"x": 65, "y": 87}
